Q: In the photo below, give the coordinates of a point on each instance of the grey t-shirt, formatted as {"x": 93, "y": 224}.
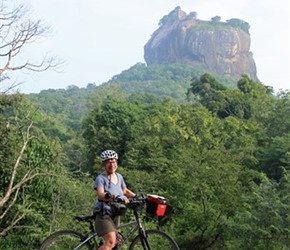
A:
{"x": 108, "y": 186}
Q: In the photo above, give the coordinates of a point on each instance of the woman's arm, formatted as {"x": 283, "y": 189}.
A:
{"x": 128, "y": 193}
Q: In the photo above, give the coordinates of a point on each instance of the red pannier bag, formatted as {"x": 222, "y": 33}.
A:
{"x": 156, "y": 205}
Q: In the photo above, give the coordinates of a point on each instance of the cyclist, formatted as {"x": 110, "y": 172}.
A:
{"x": 109, "y": 186}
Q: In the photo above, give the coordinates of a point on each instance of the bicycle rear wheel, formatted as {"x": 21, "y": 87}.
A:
{"x": 65, "y": 240}
{"x": 155, "y": 240}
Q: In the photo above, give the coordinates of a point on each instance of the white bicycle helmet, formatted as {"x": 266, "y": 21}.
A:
{"x": 109, "y": 154}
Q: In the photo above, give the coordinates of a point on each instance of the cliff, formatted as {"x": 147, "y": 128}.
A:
{"x": 222, "y": 48}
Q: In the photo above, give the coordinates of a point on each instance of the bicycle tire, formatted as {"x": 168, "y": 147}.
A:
{"x": 155, "y": 240}
{"x": 64, "y": 239}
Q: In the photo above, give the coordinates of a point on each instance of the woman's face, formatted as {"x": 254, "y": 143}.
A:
{"x": 110, "y": 165}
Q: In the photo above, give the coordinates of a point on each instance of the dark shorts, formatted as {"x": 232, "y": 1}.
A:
{"x": 106, "y": 224}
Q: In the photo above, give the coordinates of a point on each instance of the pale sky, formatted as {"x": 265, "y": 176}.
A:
{"x": 99, "y": 39}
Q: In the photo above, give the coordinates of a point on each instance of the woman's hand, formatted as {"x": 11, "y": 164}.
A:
{"x": 126, "y": 201}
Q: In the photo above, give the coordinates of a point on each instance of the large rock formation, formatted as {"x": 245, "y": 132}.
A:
{"x": 222, "y": 48}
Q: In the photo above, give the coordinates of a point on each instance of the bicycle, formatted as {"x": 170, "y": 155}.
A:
{"x": 152, "y": 239}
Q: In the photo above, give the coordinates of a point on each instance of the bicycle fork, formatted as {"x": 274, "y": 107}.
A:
{"x": 143, "y": 235}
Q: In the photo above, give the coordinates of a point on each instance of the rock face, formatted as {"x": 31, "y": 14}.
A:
{"x": 218, "y": 47}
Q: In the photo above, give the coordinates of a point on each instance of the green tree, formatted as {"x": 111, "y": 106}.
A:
{"x": 216, "y": 19}
{"x": 250, "y": 100}
{"x": 38, "y": 194}
{"x": 25, "y": 157}
{"x": 265, "y": 222}
{"x": 236, "y": 22}
{"x": 183, "y": 152}
{"x": 275, "y": 157}
{"x": 278, "y": 119}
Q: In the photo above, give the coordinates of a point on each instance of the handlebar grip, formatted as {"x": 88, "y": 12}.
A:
{"x": 108, "y": 195}
{"x": 119, "y": 200}
{"x": 138, "y": 200}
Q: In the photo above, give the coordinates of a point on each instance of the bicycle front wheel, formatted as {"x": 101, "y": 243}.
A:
{"x": 65, "y": 240}
{"x": 154, "y": 240}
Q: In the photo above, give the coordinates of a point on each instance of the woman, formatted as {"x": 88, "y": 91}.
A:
{"x": 109, "y": 185}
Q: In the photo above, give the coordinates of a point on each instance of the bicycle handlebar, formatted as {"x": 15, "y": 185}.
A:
{"x": 138, "y": 200}
{"x": 133, "y": 202}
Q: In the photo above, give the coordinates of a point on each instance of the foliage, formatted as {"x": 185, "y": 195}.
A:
{"x": 63, "y": 111}
{"x": 164, "y": 80}
{"x": 34, "y": 183}
{"x": 265, "y": 223}
{"x": 161, "y": 136}
{"x": 216, "y": 19}
{"x": 221, "y": 158}
{"x": 275, "y": 158}
{"x": 235, "y": 22}
{"x": 245, "y": 102}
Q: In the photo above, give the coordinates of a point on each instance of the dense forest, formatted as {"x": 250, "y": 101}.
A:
{"x": 221, "y": 157}
{"x": 217, "y": 148}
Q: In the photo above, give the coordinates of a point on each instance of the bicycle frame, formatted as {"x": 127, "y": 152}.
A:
{"x": 136, "y": 225}
{"x": 91, "y": 236}
{"x": 132, "y": 231}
